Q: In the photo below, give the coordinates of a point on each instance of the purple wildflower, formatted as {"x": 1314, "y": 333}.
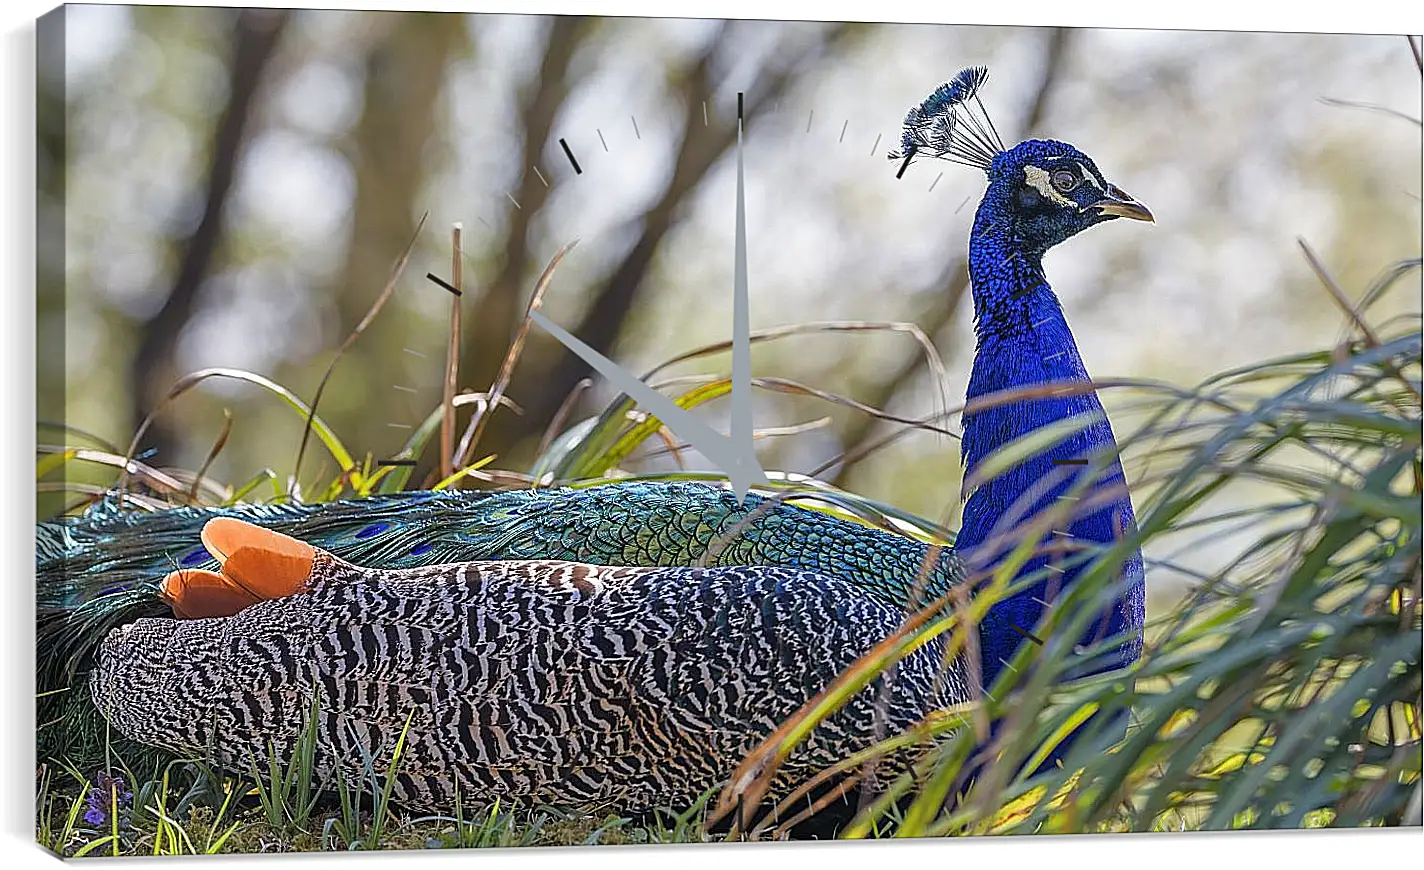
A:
{"x": 106, "y": 793}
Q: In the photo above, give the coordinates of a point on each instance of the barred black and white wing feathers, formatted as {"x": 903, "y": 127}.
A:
{"x": 527, "y": 681}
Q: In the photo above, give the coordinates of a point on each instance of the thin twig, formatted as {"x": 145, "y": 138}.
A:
{"x": 94, "y": 493}
{"x": 1371, "y": 107}
{"x": 212, "y": 454}
{"x": 452, "y": 356}
{"x": 932, "y": 357}
{"x": 477, "y": 424}
{"x": 1343, "y": 301}
{"x": 786, "y": 386}
{"x": 676, "y": 447}
{"x": 565, "y": 408}
{"x": 350, "y": 340}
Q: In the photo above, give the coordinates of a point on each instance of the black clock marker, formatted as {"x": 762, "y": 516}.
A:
{"x": 909, "y": 155}
{"x": 443, "y": 283}
{"x": 1025, "y": 634}
{"x": 570, "y": 154}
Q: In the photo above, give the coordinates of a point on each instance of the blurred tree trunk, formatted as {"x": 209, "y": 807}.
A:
{"x": 255, "y": 35}
{"x": 547, "y": 371}
{"x": 388, "y": 150}
{"x": 947, "y": 291}
{"x": 501, "y": 308}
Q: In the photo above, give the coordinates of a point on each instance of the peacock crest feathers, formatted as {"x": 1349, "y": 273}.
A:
{"x": 952, "y": 124}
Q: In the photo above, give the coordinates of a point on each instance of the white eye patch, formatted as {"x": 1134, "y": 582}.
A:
{"x": 1038, "y": 179}
{"x": 1090, "y": 177}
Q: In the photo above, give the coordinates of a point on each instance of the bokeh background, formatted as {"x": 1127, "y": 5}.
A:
{"x": 236, "y": 185}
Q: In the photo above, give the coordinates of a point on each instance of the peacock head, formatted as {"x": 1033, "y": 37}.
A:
{"x": 1042, "y": 190}
{"x": 1053, "y": 191}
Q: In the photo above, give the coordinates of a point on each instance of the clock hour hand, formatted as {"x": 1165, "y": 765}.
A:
{"x": 736, "y": 460}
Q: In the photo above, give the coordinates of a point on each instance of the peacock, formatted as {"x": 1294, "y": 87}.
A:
{"x": 668, "y": 611}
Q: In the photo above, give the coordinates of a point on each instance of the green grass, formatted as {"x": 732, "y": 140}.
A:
{"x": 1282, "y": 692}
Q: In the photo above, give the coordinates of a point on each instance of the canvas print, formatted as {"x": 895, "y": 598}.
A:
{"x": 492, "y": 430}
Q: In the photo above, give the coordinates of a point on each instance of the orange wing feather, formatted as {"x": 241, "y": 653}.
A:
{"x": 201, "y": 594}
{"x": 257, "y": 564}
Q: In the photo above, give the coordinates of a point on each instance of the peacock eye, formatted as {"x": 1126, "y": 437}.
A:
{"x": 1065, "y": 180}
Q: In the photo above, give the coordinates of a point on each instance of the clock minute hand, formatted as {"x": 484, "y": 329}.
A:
{"x": 741, "y": 400}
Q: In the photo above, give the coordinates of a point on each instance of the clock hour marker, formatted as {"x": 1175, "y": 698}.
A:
{"x": 541, "y": 176}
{"x": 843, "y": 131}
{"x": 397, "y": 462}
{"x": 601, "y": 139}
{"x": 1026, "y": 634}
{"x": 876, "y": 146}
{"x": 936, "y": 181}
{"x": 431, "y": 276}
{"x": 1070, "y": 462}
{"x": 808, "y": 120}
{"x": 739, "y": 106}
{"x": 635, "y": 129}
{"x": 909, "y": 155}
{"x": 570, "y": 154}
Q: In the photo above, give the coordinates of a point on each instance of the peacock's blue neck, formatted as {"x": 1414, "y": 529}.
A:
{"x": 1022, "y": 340}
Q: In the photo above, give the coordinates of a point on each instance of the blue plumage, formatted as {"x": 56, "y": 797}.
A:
{"x": 1023, "y": 340}
{"x": 1040, "y": 194}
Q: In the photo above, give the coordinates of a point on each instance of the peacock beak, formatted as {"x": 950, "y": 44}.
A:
{"x": 1119, "y": 203}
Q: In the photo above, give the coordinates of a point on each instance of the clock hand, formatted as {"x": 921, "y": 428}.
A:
{"x": 734, "y": 454}
{"x": 741, "y": 399}
{"x": 737, "y": 461}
